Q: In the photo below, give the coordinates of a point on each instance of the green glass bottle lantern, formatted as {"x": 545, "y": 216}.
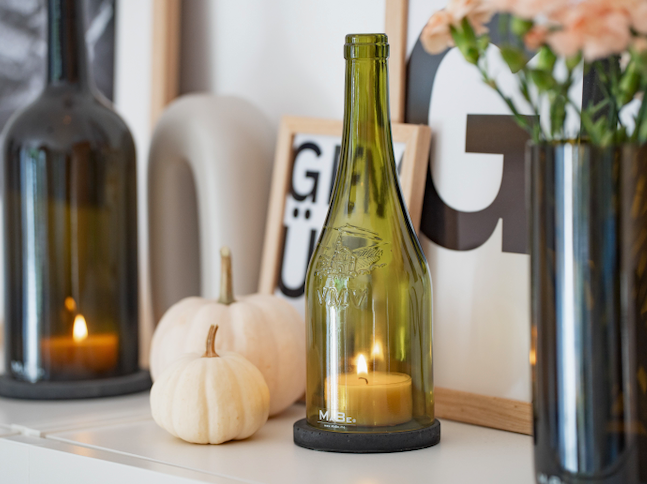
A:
{"x": 368, "y": 289}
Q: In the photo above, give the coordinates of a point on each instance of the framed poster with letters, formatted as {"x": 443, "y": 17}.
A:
{"x": 307, "y": 155}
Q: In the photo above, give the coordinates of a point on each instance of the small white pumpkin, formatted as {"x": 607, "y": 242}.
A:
{"x": 265, "y": 329}
{"x": 210, "y": 399}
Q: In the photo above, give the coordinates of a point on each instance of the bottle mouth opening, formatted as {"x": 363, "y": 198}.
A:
{"x": 366, "y": 46}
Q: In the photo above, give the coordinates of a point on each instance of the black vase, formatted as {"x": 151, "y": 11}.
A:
{"x": 588, "y": 240}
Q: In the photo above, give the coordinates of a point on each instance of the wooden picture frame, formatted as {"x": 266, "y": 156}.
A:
{"x": 473, "y": 408}
{"x": 165, "y": 56}
{"x": 412, "y": 170}
{"x": 395, "y": 27}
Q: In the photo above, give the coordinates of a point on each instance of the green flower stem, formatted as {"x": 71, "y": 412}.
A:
{"x": 637, "y": 135}
{"x": 610, "y": 87}
{"x": 617, "y": 87}
{"x": 521, "y": 120}
{"x": 537, "y": 133}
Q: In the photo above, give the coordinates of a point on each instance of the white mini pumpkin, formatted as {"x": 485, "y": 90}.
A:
{"x": 210, "y": 399}
{"x": 264, "y": 329}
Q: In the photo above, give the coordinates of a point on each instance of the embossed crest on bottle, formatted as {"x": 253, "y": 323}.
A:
{"x": 356, "y": 252}
{"x": 368, "y": 289}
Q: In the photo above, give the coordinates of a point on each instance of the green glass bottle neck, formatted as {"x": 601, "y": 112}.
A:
{"x": 67, "y": 58}
{"x": 366, "y": 116}
{"x": 367, "y": 175}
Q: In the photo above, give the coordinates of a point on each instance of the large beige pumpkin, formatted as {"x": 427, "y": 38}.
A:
{"x": 264, "y": 329}
{"x": 210, "y": 398}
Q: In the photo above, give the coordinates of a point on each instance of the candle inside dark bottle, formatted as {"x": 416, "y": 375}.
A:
{"x": 70, "y": 222}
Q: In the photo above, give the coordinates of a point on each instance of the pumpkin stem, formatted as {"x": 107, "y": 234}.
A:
{"x": 226, "y": 280}
{"x": 211, "y": 342}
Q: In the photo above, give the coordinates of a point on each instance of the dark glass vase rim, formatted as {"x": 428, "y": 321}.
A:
{"x": 584, "y": 143}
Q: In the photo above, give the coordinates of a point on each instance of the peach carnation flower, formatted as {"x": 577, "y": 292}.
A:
{"x": 639, "y": 44}
{"x": 476, "y": 11}
{"x": 536, "y": 37}
{"x": 598, "y": 28}
{"x": 639, "y": 16}
{"x": 436, "y": 35}
{"x": 528, "y": 9}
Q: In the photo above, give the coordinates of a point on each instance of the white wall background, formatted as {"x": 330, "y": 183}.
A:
{"x": 132, "y": 100}
{"x": 285, "y": 56}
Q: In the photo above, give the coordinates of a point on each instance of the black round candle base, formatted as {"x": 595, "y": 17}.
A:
{"x": 70, "y": 390}
{"x": 305, "y": 435}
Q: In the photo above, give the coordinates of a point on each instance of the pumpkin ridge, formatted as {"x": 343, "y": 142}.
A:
{"x": 274, "y": 365}
{"x": 253, "y": 399}
{"x": 188, "y": 398}
{"x": 241, "y": 416}
{"x": 176, "y": 400}
{"x": 178, "y": 315}
{"x": 204, "y": 374}
{"x": 168, "y": 384}
{"x": 267, "y": 364}
{"x": 279, "y": 317}
{"x": 296, "y": 373}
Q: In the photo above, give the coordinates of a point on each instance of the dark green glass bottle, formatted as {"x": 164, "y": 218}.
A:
{"x": 70, "y": 223}
{"x": 368, "y": 288}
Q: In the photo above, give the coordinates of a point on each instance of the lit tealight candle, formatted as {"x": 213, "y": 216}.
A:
{"x": 366, "y": 398}
{"x": 80, "y": 329}
{"x": 81, "y": 352}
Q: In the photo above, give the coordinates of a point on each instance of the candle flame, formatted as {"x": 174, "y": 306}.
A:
{"x": 361, "y": 365}
{"x": 377, "y": 350}
{"x": 80, "y": 331}
{"x": 70, "y": 304}
{"x": 533, "y": 357}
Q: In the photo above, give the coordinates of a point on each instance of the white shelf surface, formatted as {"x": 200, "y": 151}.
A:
{"x": 31, "y": 460}
{"x": 61, "y": 415}
{"x": 6, "y": 430}
{"x": 116, "y": 438}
